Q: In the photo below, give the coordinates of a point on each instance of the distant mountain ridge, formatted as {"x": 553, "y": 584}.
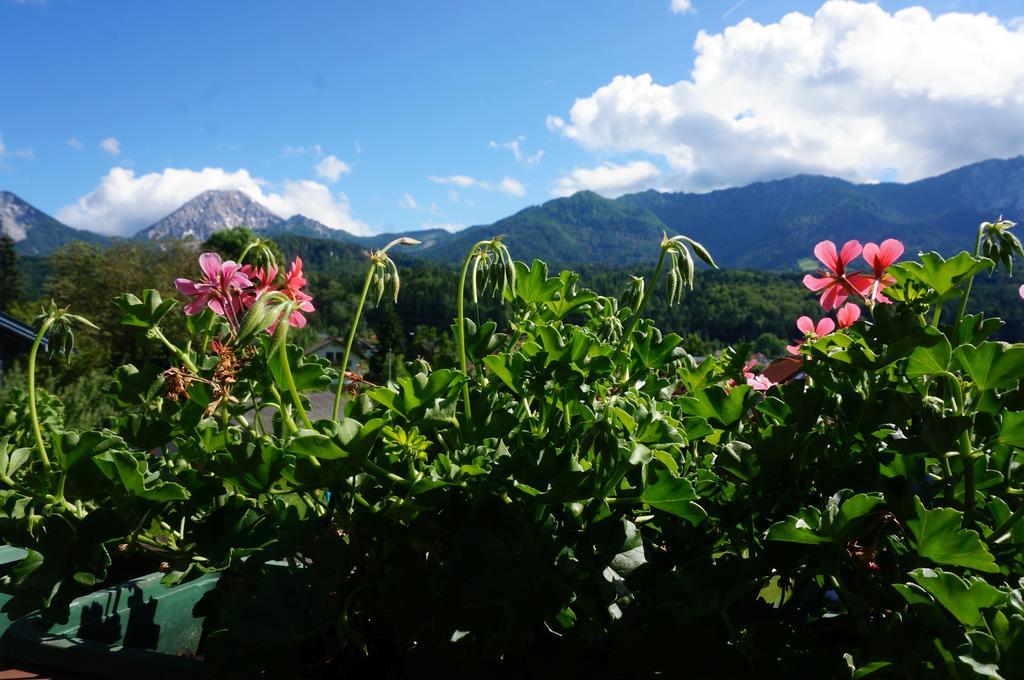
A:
{"x": 765, "y": 225}
{"x": 33, "y": 231}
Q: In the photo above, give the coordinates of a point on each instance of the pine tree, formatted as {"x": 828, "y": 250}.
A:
{"x": 10, "y": 274}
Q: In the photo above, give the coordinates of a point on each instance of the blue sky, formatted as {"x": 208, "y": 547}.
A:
{"x": 415, "y": 113}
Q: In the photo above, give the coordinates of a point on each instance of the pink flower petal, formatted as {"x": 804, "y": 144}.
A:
{"x": 891, "y": 251}
{"x": 833, "y": 297}
{"x": 849, "y": 253}
{"x": 805, "y": 325}
{"x": 794, "y": 349}
{"x": 187, "y": 287}
{"x": 848, "y": 315}
{"x": 825, "y": 326}
{"x": 815, "y": 283}
{"x": 826, "y": 252}
{"x": 210, "y": 264}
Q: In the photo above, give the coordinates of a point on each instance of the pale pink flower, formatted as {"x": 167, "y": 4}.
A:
{"x": 759, "y": 383}
{"x": 848, "y": 315}
{"x": 811, "y": 332}
{"x": 881, "y": 258}
{"x": 219, "y": 288}
{"x": 836, "y": 284}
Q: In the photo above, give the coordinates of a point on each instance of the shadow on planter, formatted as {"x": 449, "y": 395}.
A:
{"x": 137, "y": 629}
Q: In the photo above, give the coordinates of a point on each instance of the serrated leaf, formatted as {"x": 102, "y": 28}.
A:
{"x": 939, "y": 537}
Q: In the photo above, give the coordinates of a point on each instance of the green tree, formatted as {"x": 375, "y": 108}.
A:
{"x": 10, "y": 274}
{"x": 230, "y": 244}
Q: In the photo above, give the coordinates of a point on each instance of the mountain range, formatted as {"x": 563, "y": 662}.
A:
{"x": 766, "y": 225}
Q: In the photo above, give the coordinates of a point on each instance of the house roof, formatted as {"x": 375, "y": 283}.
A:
{"x": 11, "y": 326}
{"x": 359, "y": 348}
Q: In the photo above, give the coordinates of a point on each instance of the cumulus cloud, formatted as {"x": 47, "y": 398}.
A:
{"x": 332, "y": 168}
{"x": 681, "y": 6}
{"x": 407, "y": 202}
{"x": 507, "y": 185}
{"x": 111, "y": 146}
{"x": 609, "y": 179}
{"x": 515, "y": 146}
{"x": 124, "y": 203}
{"x": 853, "y": 91}
{"x": 75, "y": 144}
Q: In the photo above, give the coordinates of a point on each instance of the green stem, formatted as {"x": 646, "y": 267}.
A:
{"x": 381, "y": 472}
{"x": 37, "y": 430}
{"x": 351, "y": 339}
{"x": 967, "y": 291}
{"x": 628, "y": 333}
{"x": 1005, "y": 528}
{"x": 182, "y": 356}
{"x": 460, "y": 332}
{"x": 286, "y": 369}
{"x": 967, "y": 458}
{"x": 283, "y": 410}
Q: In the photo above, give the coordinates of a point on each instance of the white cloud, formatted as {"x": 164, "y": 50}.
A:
{"x": 447, "y": 226}
{"x": 332, "y": 168}
{"x": 124, "y": 203}
{"x": 682, "y": 6}
{"x": 26, "y": 153}
{"x": 75, "y": 144}
{"x": 407, "y": 202}
{"x": 315, "y": 150}
{"x": 507, "y": 185}
{"x": 453, "y": 196}
{"x": 515, "y": 146}
{"x": 511, "y": 187}
{"x": 853, "y": 91}
{"x": 609, "y": 179}
{"x": 111, "y": 146}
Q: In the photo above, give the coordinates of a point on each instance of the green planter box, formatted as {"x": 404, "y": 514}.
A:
{"x": 8, "y": 557}
{"x": 138, "y": 629}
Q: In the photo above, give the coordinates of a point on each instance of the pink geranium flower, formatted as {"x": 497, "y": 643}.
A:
{"x": 811, "y": 332}
{"x": 848, "y": 315}
{"x": 881, "y": 258}
{"x": 759, "y": 383}
{"x": 219, "y": 289}
{"x": 293, "y": 285}
{"x": 1020, "y": 291}
{"x": 836, "y": 284}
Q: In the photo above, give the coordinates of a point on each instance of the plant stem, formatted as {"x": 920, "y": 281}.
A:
{"x": 628, "y": 333}
{"x": 37, "y": 430}
{"x": 351, "y": 339}
{"x": 283, "y": 410}
{"x": 287, "y": 370}
{"x": 182, "y": 356}
{"x": 460, "y": 332}
{"x": 1005, "y": 528}
{"x": 967, "y": 291}
{"x": 967, "y": 458}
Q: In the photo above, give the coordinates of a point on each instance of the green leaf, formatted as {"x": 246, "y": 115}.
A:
{"x": 134, "y": 475}
{"x": 941, "y": 275}
{"x": 675, "y": 495}
{"x": 310, "y": 372}
{"x": 417, "y": 393}
{"x": 655, "y": 351}
{"x": 939, "y": 538}
{"x": 533, "y": 285}
{"x": 144, "y": 313}
{"x": 1011, "y": 429}
{"x": 963, "y": 599}
{"x": 802, "y": 529}
{"x": 714, "y": 403}
{"x": 992, "y": 364}
{"x": 931, "y": 356}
